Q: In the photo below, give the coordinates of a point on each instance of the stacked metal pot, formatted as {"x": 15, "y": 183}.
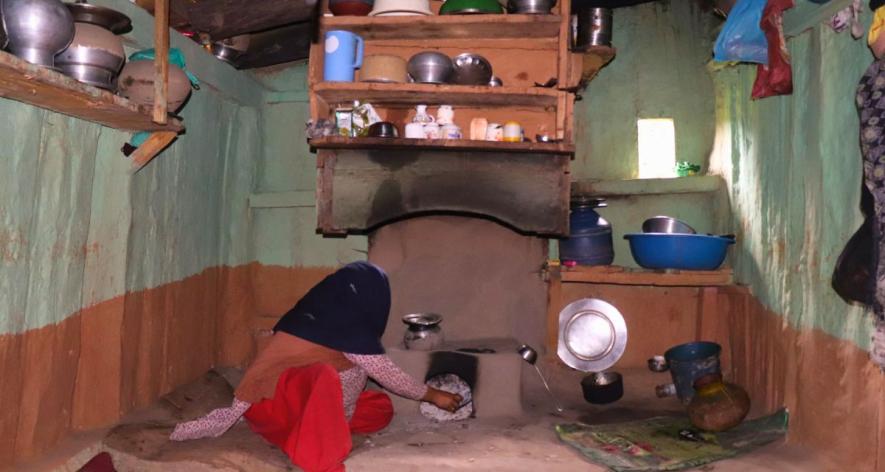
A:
{"x": 77, "y": 39}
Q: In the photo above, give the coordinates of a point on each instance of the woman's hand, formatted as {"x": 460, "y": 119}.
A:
{"x": 442, "y": 399}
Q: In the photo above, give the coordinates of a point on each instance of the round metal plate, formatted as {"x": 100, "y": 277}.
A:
{"x": 592, "y": 335}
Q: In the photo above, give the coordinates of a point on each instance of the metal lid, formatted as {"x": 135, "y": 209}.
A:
{"x": 592, "y": 335}
{"x": 583, "y": 201}
{"x": 113, "y": 20}
{"x": 422, "y": 319}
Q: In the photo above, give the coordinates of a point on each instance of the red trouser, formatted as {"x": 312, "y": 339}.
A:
{"x": 305, "y": 417}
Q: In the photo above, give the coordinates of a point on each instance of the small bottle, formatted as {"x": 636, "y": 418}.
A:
{"x": 344, "y": 120}
{"x": 445, "y": 115}
{"x": 421, "y": 115}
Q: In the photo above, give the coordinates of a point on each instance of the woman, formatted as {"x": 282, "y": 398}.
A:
{"x": 871, "y": 108}
{"x": 305, "y": 391}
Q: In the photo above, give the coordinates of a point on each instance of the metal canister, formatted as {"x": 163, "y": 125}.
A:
{"x": 593, "y": 27}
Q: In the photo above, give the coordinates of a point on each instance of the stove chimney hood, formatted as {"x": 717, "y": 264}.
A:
{"x": 365, "y": 183}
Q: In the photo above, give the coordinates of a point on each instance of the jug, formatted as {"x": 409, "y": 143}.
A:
{"x": 344, "y": 54}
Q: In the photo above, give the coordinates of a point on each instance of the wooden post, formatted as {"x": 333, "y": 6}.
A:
{"x": 554, "y": 305}
{"x": 161, "y": 60}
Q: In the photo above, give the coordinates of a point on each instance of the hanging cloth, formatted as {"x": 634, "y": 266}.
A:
{"x": 870, "y": 102}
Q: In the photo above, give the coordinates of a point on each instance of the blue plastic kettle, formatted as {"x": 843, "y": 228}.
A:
{"x": 344, "y": 54}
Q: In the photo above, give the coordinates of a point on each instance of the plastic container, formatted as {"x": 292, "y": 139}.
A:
{"x": 590, "y": 238}
{"x": 689, "y": 362}
{"x": 678, "y": 251}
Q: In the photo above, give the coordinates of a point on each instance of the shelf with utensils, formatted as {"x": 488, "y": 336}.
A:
{"x": 472, "y": 27}
{"x": 340, "y": 142}
{"x": 46, "y": 88}
{"x": 411, "y": 94}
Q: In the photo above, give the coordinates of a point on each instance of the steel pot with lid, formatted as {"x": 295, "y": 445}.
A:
{"x": 96, "y": 53}
{"x": 424, "y": 332}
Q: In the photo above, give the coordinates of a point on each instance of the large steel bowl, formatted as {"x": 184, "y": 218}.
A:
{"x": 666, "y": 224}
{"x": 430, "y": 67}
{"x": 37, "y": 30}
{"x": 471, "y": 69}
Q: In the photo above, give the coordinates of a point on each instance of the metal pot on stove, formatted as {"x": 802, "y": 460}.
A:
{"x": 423, "y": 332}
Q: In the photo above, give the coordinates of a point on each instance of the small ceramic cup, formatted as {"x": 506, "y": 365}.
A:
{"x": 415, "y": 131}
{"x": 450, "y": 131}
{"x": 431, "y": 130}
{"x": 494, "y": 132}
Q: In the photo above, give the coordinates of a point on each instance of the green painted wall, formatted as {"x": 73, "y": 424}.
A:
{"x": 658, "y": 73}
{"x": 76, "y": 228}
{"x": 793, "y": 170}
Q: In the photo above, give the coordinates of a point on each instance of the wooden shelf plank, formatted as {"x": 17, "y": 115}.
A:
{"x": 446, "y": 27}
{"x": 413, "y": 94}
{"x": 48, "y": 89}
{"x": 595, "y": 58}
{"x": 616, "y": 275}
{"x": 340, "y": 142}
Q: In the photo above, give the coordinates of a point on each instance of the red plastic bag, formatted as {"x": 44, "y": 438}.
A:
{"x": 776, "y": 78}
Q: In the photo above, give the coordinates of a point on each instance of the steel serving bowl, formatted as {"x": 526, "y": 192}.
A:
{"x": 430, "y": 67}
{"x": 666, "y": 224}
{"x": 531, "y": 7}
{"x": 471, "y": 69}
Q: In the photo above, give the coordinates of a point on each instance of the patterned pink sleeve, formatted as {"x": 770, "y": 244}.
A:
{"x": 216, "y": 423}
{"x": 389, "y": 375}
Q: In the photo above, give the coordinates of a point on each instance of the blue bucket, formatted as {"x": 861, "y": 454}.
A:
{"x": 690, "y": 361}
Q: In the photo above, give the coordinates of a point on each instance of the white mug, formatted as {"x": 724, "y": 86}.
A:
{"x": 494, "y": 132}
{"x": 415, "y": 131}
{"x": 512, "y": 132}
{"x": 431, "y": 130}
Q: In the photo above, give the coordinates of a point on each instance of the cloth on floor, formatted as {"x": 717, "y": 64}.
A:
{"x": 305, "y": 418}
{"x": 656, "y": 443}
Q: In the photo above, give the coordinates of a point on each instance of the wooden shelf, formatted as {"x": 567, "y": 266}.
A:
{"x": 340, "y": 142}
{"x": 446, "y": 26}
{"x": 616, "y": 275}
{"x": 49, "y": 89}
{"x": 594, "y": 59}
{"x": 414, "y": 94}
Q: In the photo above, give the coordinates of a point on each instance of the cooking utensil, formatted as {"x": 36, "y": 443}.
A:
{"x": 468, "y": 7}
{"x": 592, "y": 335}
{"x": 471, "y": 69}
{"x": 96, "y": 54}
{"x": 530, "y": 7}
{"x": 430, "y": 67}
{"x": 593, "y": 27}
{"x": 350, "y": 7}
{"x": 424, "y": 332}
{"x": 231, "y": 49}
{"x": 687, "y": 363}
{"x": 603, "y": 387}
{"x": 496, "y": 81}
{"x": 401, "y": 8}
{"x": 37, "y": 30}
{"x": 531, "y": 356}
{"x": 383, "y": 129}
{"x": 136, "y": 82}
{"x": 666, "y": 224}
{"x": 678, "y": 251}
{"x": 384, "y": 68}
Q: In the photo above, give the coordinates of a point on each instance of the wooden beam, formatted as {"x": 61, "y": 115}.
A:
{"x": 152, "y": 146}
{"x": 615, "y": 275}
{"x": 161, "y": 60}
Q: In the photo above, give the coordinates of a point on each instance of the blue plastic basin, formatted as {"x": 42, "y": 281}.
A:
{"x": 678, "y": 251}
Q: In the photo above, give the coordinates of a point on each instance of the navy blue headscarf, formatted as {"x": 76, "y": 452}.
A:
{"x": 346, "y": 312}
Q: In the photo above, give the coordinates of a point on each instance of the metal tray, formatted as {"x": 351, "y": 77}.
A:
{"x": 592, "y": 335}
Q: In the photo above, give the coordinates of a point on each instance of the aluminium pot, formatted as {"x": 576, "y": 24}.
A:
{"x": 137, "y": 84}
{"x": 430, "y": 67}
{"x": 36, "y": 30}
{"x": 591, "y": 27}
{"x": 96, "y": 54}
{"x": 530, "y": 7}
{"x": 424, "y": 332}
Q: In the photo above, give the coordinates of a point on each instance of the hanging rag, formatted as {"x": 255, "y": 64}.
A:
{"x": 305, "y": 418}
{"x": 870, "y": 102}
